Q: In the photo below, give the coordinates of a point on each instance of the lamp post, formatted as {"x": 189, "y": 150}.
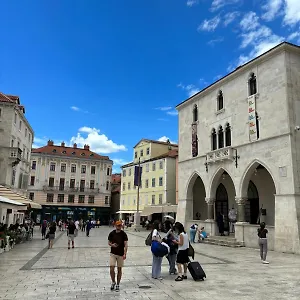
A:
{"x": 137, "y": 217}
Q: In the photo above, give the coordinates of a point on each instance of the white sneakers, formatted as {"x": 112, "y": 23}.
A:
{"x": 265, "y": 262}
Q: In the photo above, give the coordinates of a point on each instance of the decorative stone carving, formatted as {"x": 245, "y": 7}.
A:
{"x": 210, "y": 201}
{"x": 240, "y": 200}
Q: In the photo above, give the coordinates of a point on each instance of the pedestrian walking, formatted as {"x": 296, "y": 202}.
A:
{"x": 89, "y": 226}
{"x": 52, "y": 230}
{"x": 118, "y": 241}
{"x": 183, "y": 254}
{"x": 44, "y": 229}
{"x": 263, "y": 242}
{"x": 71, "y": 232}
{"x": 156, "y": 260}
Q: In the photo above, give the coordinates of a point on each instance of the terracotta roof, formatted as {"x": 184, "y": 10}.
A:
{"x": 115, "y": 178}
{"x": 62, "y": 150}
{"x": 156, "y": 142}
{"x": 172, "y": 153}
{"x": 12, "y": 99}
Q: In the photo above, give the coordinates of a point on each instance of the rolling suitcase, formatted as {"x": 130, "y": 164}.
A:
{"x": 196, "y": 270}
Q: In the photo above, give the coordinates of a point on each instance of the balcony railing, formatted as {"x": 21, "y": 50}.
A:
{"x": 15, "y": 153}
{"x": 66, "y": 189}
{"x": 220, "y": 154}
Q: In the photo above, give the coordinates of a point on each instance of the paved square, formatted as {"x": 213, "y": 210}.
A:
{"x": 31, "y": 271}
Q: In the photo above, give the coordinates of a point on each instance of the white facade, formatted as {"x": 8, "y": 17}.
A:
{"x": 257, "y": 171}
{"x": 16, "y": 137}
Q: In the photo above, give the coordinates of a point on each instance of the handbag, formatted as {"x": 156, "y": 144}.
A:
{"x": 158, "y": 249}
{"x": 47, "y": 235}
{"x": 191, "y": 251}
{"x": 148, "y": 240}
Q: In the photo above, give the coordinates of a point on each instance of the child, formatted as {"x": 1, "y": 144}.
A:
{"x": 202, "y": 234}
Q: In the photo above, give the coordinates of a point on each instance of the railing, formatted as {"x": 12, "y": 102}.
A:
{"x": 16, "y": 153}
{"x": 220, "y": 154}
{"x": 66, "y": 189}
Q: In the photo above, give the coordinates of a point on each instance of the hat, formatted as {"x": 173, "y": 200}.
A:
{"x": 118, "y": 223}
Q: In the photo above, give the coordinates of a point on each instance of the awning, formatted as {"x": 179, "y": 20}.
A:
{"x": 8, "y": 193}
{"x": 159, "y": 209}
{"x": 126, "y": 212}
{"x": 11, "y": 202}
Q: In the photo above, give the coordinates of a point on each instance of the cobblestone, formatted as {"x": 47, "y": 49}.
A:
{"x": 31, "y": 271}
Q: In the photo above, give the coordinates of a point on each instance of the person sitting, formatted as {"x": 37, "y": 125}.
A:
{"x": 202, "y": 234}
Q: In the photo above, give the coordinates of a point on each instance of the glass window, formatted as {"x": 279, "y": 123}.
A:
{"x": 147, "y": 183}
{"x": 52, "y": 167}
{"x": 147, "y": 167}
{"x": 123, "y": 186}
{"x": 124, "y": 173}
{"x": 91, "y": 199}
{"x": 107, "y": 185}
{"x": 153, "y": 167}
{"x": 135, "y": 154}
{"x": 195, "y": 113}
{"x": 73, "y": 168}
{"x": 31, "y": 196}
{"x": 81, "y": 198}
{"x": 142, "y": 152}
{"x": 72, "y": 183}
{"x": 83, "y": 169}
{"x": 60, "y": 198}
{"x": 214, "y": 139}
{"x": 128, "y": 185}
{"x": 220, "y": 102}
{"x": 153, "y": 182}
{"x": 106, "y": 200}
{"x": 153, "y": 199}
{"x": 129, "y": 172}
{"x": 148, "y": 151}
{"x": 252, "y": 85}
{"x": 108, "y": 172}
{"x": 50, "y": 197}
{"x": 71, "y": 198}
{"x": 93, "y": 170}
{"x": 161, "y": 165}
{"x": 63, "y": 167}
{"x": 33, "y": 165}
{"x": 160, "y": 198}
{"x": 227, "y": 135}
{"x": 221, "y": 137}
{"x": 51, "y": 182}
{"x": 32, "y": 179}
{"x": 92, "y": 184}
{"x": 160, "y": 181}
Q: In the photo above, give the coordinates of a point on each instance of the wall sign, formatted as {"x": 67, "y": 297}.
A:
{"x": 252, "y": 119}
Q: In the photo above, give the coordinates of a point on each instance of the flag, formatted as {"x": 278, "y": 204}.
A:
{"x": 137, "y": 175}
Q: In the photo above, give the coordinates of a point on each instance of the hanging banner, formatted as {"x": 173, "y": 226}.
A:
{"x": 194, "y": 140}
{"x": 252, "y": 119}
{"x": 137, "y": 175}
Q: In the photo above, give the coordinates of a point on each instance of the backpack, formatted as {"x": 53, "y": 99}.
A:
{"x": 158, "y": 249}
{"x": 148, "y": 240}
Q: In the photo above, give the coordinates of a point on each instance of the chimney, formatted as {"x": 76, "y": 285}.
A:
{"x": 63, "y": 144}
{"x": 75, "y": 145}
{"x": 50, "y": 143}
{"x": 86, "y": 147}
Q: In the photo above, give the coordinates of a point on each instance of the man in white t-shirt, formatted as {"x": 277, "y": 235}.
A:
{"x": 77, "y": 224}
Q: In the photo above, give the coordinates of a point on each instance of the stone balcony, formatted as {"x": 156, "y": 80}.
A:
{"x": 226, "y": 153}
{"x": 70, "y": 190}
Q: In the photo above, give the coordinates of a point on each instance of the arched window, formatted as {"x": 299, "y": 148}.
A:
{"x": 220, "y": 103}
{"x": 213, "y": 139}
{"x": 257, "y": 125}
{"x": 221, "y": 137}
{"x": 227, "y": 135}
{"x": 252, "y": 85}
{"x": 195, "y": 113}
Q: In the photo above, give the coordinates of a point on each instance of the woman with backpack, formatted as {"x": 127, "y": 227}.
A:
{"x": 156, "y": 260}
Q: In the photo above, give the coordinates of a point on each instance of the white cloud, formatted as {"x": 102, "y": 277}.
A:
{"x": 210, "y": 25}
{"x": 191, "y": 3}
{"x": 230, "y": 17}
{"x": 164, "y": 108}
{"x": 172, "y": 113}
{"x": 294, "y": 36}
{"x": 249, "y": 21}
{"x": 165, "y": 139}
{"x": 217, "y": 4}
{"x": 271, "y": 9}
{"x": 39, "y": 142}
{"x": 292, "y": 12}
{"x": 120, "y": 161}
{"x": 75, "y": 108}
{"x": 215, "y": 41}
{"x": 98, "y": 142}
{"x": 190, "y": 88}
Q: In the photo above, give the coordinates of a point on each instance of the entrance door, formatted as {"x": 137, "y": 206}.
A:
{"x": 222, "y": 204}
{"x": 252, "y": 205}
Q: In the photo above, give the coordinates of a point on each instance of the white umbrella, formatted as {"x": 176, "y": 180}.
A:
{"x": 169, "y": 217}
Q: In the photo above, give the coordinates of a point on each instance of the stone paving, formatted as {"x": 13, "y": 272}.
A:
{"x": 31, "y": 271}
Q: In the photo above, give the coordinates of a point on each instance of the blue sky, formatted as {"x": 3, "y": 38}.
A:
{"x": 110, "y": 72}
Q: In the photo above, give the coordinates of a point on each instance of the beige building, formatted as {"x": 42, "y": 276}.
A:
{"x": 16, "y": 136}
{"x": 158, "y": 179}
{"x": 71, "y": 182}
{"x": 239, "y": 142}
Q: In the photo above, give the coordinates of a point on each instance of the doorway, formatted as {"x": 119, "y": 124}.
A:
{"x": 221, "y": 204}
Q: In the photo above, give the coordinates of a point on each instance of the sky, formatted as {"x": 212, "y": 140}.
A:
{"x": 110, "y": 72}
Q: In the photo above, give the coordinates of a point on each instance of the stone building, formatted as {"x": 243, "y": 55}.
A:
{"x": 239, "y": 146}
{"x": 16, "y": 137}
{"x": 115, "y": 195}
{"x": 71, "y": 182}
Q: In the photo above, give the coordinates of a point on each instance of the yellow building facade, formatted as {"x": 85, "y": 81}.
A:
{"x": 158, "y": 178}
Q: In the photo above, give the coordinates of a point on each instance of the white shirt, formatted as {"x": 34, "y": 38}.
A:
{"x": 77, "y": 224}
{"x": 155, "y": 233}
{"x": 232, "y": 214}
{"x": 186, "y": 243}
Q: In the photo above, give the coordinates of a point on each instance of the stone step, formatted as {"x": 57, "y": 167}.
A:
{"x": 223, "y": 241}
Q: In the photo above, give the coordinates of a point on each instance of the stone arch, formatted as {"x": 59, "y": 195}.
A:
{"x": 261, "y": 209}
{"x": 196, "y": 193}
{"x": 245, "y": 179}
{"x": 215, "y": 181}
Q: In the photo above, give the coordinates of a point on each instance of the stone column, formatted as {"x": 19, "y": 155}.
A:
{"x": 241, "y": 209}
{"x": 210, "y": 208}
